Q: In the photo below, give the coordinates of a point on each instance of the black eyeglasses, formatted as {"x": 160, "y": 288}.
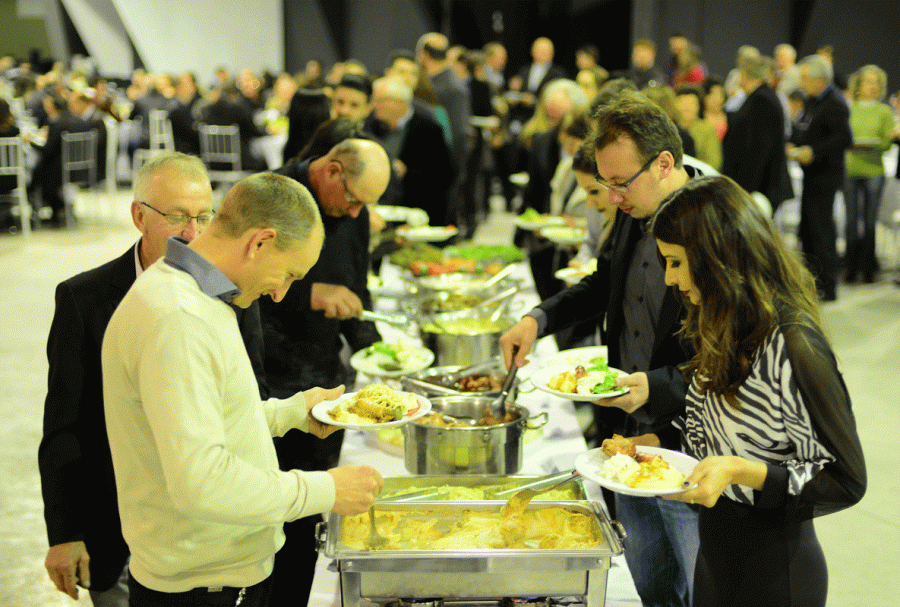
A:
{"x": 351, "y": 199}
{"x": 623, "y": 188}
{"x": 180, "y": 219}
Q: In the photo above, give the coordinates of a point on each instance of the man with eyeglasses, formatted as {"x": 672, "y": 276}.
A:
{"x": 305, "y": 332}
{"x": 639, "y": 162}
{"x": 172, "y": 197}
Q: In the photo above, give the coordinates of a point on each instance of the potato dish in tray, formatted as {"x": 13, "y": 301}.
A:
{"x": 423, "y": 528}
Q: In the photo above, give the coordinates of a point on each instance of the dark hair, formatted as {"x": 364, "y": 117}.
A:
{"x": 584, "y": 159}
{"x": 636, "y": 117}
{"x": 397, "y": 55}
{"x": 590, "y": 49}
{"x": 329, "y": 134}
{"x": 357, "y": 83}
{"x": 688, "y": 89}
{"x": 610, "y": 91}
{"x": 577, "y": 126}
{"x": 434, "y": 52}
{"x": 749, "y": 281}
{"x": 6, "y": 117}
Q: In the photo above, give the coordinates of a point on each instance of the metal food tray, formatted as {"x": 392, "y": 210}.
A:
{"x": 484, "y": 574}
{"x": 420, "y": 481}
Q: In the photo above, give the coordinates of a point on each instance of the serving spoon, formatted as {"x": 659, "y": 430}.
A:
{"x": 498, "y": 407}
{"x": 520, "y": 500}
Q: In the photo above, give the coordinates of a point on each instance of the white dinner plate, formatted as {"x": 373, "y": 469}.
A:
{"x": 541, "y": 377}
{"x": 392, "y": 213}
{"x": 571, "y": 275}
{"x": 420, "y": 358}
{"x": 590, "y": 465}
{"x": 320, "y": 412}
{"x": 575, "y": 356}
{"x": 564, "y": 235}
{"x": 545, "y": 221}
{"x": 460, "y": 282}
{"x": 427, "y": 233}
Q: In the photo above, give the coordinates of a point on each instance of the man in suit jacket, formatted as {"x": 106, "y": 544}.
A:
{"x": 77, "y": 481}
{"x": 423, "y": 172}
{"x": 818, "y": 142}
{"x": 541, "y": 70}
{"x": 47, "y": 173}
{"x": 753, "y": 148}
{"x": 227, "y": 110}
{"x": 640, "y": 162}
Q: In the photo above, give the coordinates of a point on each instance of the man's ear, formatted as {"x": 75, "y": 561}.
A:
{"x": 666, "y": 164}
{"x": 260, "y": 238}
{"x": 139, "y": 216}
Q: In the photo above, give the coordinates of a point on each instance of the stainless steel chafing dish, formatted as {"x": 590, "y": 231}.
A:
{"x": 385, "y": 576}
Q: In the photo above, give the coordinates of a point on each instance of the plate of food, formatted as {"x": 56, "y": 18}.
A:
{"x": 532, "y": 220}
{"x": 392, "y": 213}
{"x": 623, "y": 467}
{"x": 427, "y": 233}
{"x": 584, "y": 383}
{"x": 588, "y": 355}
{"x": 374, "y": 407}
{"x": 574, "y": 274}
{"x": 564, "y": 235}
{"x": 383, "y": 359}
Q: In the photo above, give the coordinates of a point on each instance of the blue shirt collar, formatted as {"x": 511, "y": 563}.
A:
{"x": 209, "y": 278}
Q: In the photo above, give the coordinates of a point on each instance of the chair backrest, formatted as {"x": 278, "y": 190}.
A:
{"x": 79, "y": 158}
{"x": 161, "y": 137}
{"x": 220, "y": 147}
{"x": 12, "y": 158}
{"x": 111, "y": 151}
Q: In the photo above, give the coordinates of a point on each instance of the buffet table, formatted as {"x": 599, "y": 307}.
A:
{"x": 554, "y": 449}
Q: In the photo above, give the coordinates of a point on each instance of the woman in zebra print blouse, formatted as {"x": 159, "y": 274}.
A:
{"x": 767, "y": 411}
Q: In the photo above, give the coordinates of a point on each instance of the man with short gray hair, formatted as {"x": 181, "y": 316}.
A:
{"x": 820, "y": 137}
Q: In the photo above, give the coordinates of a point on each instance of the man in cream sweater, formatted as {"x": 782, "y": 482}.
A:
{"x": 201, "y": 497}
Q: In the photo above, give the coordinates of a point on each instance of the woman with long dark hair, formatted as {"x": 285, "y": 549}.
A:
{"x": 767, "y": 412}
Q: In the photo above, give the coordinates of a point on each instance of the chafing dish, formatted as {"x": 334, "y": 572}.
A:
{"x": 472, "y": 575}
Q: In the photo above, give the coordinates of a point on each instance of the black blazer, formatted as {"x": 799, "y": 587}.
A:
{"x": 553, "y": 73}
{"x": 753, "y": 148}
{"x": 429, "y": 166}
{"x": 77, "y": 479}
{"x": 824, "y": 125}
{"x": 598, "y": 296}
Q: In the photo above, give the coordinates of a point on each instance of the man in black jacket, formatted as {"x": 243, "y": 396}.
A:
{"x": 753, "y": 148}
{"x": 173, "y": 197}
{"x": 304, "y": 331}
{"x": 818, "y": 142}
{"x": 639, "y": 162}
{"x": 423, "y": 171}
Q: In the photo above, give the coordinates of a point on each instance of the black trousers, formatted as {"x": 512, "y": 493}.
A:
{"x": 818, "y": 233}
{"x": 251, "y": 596}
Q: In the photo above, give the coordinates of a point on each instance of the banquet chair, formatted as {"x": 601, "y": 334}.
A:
{"x": 12, "y": 163}
{"x": 79, "y": 167}
{"x": 220, "y": 150}
{"x": 161, "y": 137}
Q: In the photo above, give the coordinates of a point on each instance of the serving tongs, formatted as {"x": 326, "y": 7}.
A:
{"x": 525, "y": 493}
{"x": 398, "y": 320}
{"x": 498, "y": 407}
{"x": 428, "y": 494}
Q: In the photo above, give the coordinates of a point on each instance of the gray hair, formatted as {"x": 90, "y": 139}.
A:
{"x": 818, "y": 67}
{"x": 269, "y": 200}
{"x": 348, "y": 154}
{"x": 856, "y": 80}
{"x": 183, "y": 164}
{"x": 755, "y": 68}
{"x": 567, "y": 87}
{"x": 394, "y": 88}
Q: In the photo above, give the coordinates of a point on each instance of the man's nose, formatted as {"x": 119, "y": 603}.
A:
{"x": 190, "y": 230}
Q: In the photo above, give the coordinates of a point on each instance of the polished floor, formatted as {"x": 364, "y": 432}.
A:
{"x": 862, "y": 544}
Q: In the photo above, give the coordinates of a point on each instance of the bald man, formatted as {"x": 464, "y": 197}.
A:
{"x": 303, "y": 333}
{"x": 541, "y": 70}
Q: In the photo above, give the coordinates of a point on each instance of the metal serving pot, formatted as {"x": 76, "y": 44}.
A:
{"x": 469, "y": 450}
{"x": 456, "y": 339}
{"x": 419, "y": 382}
